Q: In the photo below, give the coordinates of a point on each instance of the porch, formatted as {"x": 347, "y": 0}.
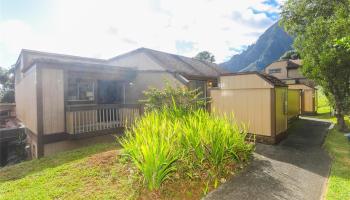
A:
{"x": 96, "y": 103}
{"x": 87, "y": 118}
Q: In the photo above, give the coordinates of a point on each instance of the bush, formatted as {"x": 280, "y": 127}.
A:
{"x": 176, "y": 140}
{"x": 151, "y": 144}
{"x": 184, "y": 98}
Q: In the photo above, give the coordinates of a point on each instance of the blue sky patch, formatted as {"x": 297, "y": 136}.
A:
{"x": 183, "y": 46}
{"x": 273, "y": 3}
{"x": 272, "y": 15}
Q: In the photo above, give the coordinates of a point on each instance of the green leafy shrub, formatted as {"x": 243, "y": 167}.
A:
{"x": 184, "y": 98}
{"x": 172, "y": 140}
{"x": 151, "y": 144}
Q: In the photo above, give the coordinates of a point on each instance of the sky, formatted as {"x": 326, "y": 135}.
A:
{"x": 106, "y": 28}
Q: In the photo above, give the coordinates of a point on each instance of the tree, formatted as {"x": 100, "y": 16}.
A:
{"x": 343, "y": 43}
{"x": 319, "y": 27}
{"x": 205, "y": 56}
{"x": 291, "y": 54}
{"x": 7, "y": 85}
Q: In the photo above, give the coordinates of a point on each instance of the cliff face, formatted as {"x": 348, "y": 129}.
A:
{"x": 269, "y": 47}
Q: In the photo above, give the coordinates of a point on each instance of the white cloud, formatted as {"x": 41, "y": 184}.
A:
{"x": 107, "y": 28}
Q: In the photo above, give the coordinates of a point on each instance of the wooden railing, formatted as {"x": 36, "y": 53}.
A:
{"x": 91, "y": 118}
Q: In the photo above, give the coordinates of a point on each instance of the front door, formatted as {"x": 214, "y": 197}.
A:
{"x": 109, "y": 92}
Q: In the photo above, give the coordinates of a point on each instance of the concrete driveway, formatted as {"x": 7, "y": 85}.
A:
{"x": 297, "y": 168}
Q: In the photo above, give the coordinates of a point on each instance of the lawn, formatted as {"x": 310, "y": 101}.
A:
{"x": 339, "y": 149}
{"x": 93, "y": 172}
{"x": 87, "y": 173}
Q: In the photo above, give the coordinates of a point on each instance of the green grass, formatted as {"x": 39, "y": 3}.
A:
{"x": 87, "y": 173}
{"x": 31, "y": 167}
{"x": 322, "y": 104}
{"x": 339, "y": 180}
{"x": 339, "y": 149}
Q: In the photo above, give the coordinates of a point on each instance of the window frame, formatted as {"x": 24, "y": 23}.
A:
{"x": 78, "y": 84}
{"x": 275, "y": 71}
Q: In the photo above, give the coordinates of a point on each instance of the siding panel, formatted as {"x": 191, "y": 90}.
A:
{"x": 243, "y": 81}
{"x": 293, "y": 103}
{"x": 26, "y": 103}
{"x": 53, "y": 101}
{"x": 251, "y": 107}
{"x": 281, "y": 110}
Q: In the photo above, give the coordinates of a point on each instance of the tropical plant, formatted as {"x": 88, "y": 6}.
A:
{"x": 183, "y": 97}
{"x": 173, "y": 139}
{"x": 151, "y": 144}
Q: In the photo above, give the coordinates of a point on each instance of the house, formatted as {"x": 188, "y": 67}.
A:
{"x": 67, "y": 101}
{"x": 257, "y": 100}
{"x": 288, "y": 72}
{"x": 156, "y": 65}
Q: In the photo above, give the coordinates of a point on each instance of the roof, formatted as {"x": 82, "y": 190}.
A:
{"x": 294, "y": 64}
{"x": 289, "y": 64}
{"x": 179, "y": 64}
{"x": 305, "y": 84}
{"x": 101, "y": 66}
{"x": 270, "y": 79}
{"x": 30, "y": 56}
{"x": 59, "y": 55}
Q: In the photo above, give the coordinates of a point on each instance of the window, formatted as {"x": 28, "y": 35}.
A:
{"x": 200, "y": 85}
{"x": 81, "y": 90}
{"x": 274, "y": 71}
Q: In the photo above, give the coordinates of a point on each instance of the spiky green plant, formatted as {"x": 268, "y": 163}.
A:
{"x": 151, "y": 145}
{"x": 165, "y": 140}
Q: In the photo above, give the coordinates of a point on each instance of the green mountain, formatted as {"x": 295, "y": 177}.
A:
{"x": 269, "y": 47}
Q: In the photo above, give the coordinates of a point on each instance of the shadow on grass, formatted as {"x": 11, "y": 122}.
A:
{"x": 26, "y": 168}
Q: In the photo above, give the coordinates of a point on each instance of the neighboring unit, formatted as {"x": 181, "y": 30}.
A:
{"x": 288, "y": 72}
{"x": 257, "y": 100}
{"x": 308, "y": 98}
{"x": 66, "y": 101}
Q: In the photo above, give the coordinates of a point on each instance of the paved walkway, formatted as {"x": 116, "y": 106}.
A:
{"x": 297, "y": 168}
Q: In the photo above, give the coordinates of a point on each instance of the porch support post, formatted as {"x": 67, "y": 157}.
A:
{"x": 123, "y": 92}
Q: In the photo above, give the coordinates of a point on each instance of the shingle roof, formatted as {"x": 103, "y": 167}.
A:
{"x": 270, "y": 79}
{"x": 180, "y": 64}
{"x": 275, "y": 81}
{"x": 290, "y": 64}
{"x": 189, "y": 67}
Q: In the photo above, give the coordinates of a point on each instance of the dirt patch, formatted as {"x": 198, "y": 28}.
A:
{"x": 107, "y": 158}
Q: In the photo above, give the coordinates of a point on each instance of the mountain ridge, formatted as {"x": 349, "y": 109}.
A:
{"x": 269, "y": 47}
